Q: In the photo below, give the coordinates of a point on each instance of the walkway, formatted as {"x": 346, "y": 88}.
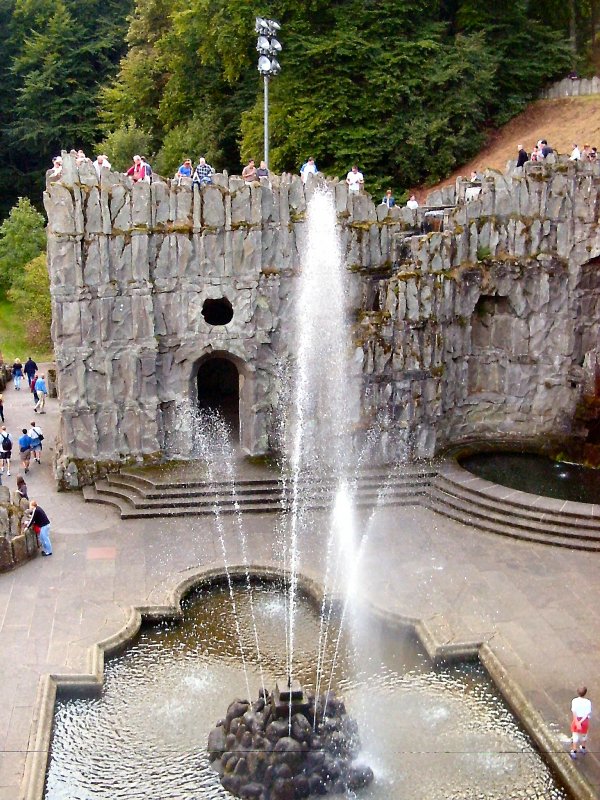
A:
{"x": 538, "y": 607}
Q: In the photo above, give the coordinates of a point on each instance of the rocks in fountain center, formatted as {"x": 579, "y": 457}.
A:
{"x": 260, "y": 756}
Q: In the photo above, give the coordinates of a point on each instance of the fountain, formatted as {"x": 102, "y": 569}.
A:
{"x": 291, "y": 743}
{"x": 296, "y": 738}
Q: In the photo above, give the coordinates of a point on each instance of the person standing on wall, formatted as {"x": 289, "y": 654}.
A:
{"x": 522, "y": 156}
{"x": 41, "y": 524}
{"x": 42, "y": 392}
{"x": 309, "y": 167}
{"x": 355, "y": 180}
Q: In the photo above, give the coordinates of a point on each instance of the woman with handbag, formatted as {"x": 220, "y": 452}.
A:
{"x": 36, "y": 436}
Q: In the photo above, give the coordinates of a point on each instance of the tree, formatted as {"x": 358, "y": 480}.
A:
{"x": 22, "y": 238}
{"x": 31, "y": 294}
{"x": 121, "y": 145}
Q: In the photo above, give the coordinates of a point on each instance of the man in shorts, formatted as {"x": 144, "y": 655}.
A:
{"x": 581, "y": 709}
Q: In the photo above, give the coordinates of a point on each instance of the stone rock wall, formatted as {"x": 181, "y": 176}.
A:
{"x": 479, "y": 328}
{"x": 16, "y": 547}
{"x": 572, "y": 88}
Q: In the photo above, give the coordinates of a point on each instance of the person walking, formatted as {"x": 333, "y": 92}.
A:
{"x": 41, "y": 524}
{"x": 581, "y": 711}
{"x": 42, "y": 393}
{"x": 30, "y": 369}
{"x": 37, "y": 437}
{"x": 2, "y": 407}
{"x": 5, "y": 450}
{"x": 17, "y": 373}
{"x": 25, "y": 449}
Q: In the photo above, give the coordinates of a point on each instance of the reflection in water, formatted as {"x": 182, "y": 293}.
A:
{"x": 439, "y": 735}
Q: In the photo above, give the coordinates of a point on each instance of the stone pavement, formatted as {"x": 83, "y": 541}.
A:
{"x": 536, "y": 607}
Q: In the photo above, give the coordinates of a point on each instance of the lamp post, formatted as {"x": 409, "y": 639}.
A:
{"x": 267, "y": 46}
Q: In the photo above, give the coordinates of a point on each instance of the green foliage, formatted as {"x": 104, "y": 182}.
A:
{"x": 22, "y": 238}
{"x": 405, "y": 87}
{"x": 198, "y": 137}
{"x": 31, "y": 295}
{"x": 123, "y": 143}
{"x": 56, "y": 54}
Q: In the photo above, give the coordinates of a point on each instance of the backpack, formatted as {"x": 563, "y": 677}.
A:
{"x": 147, "y": 172}
{"x": 6, "y": 443}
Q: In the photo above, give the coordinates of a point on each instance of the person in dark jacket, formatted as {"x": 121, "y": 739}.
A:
{"x": 30, "y": 368}
{"x": 40, "y": 523}
{"x": 522, "y": 157}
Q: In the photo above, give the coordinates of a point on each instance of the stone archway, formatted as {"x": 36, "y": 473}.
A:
{"x": 218, "y": 389}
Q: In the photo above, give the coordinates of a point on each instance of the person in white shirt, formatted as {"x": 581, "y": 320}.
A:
{"x": 100, "y": 163}
{"x": 575, "y": 153}
{"x": 308, "y": 167}
{"x": 581, "y": 710}
{"x": 355, "y": 179}
{"x": 412, "y": 203}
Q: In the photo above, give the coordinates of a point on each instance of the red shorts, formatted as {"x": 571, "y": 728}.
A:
{"x": 584, "y": 724}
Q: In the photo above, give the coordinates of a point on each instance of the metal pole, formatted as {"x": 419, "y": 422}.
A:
{"x": 266, "y": 116}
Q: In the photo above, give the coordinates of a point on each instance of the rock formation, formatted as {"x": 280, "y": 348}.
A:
{"x": 473, "y": 319}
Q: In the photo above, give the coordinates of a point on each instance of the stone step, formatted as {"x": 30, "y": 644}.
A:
{"x": 320, "y": 497}
{"x": 509, "y": 525}
{"x": 149, "y": 482}
{"x": 193, "y": 511}
{"x": 572, "y": 542}
{"x": 476, "y": 496}
{"x": 254, "y": 489}
{"x": 472, "y": 484}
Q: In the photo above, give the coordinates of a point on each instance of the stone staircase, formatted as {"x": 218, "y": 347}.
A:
{"x": 462, "y": 496}
{"x": 138, "y": 495}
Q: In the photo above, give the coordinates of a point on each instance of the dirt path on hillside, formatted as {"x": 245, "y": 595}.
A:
{"x": 561, "y": 122}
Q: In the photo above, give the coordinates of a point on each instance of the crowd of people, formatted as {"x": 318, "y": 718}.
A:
{"x": 542, "y": 150}
{"x": 30, "y": 446}
{"x": 202, "y": 174}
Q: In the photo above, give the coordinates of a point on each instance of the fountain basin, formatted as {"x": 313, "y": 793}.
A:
{"x": 427, "y": 732}
{"x": 536, "y": 474}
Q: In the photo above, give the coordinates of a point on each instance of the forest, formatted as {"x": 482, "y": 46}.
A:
{"x": 406, "y": 88}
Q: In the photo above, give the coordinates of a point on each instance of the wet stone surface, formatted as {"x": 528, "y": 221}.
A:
{"x": 313, "y": 753}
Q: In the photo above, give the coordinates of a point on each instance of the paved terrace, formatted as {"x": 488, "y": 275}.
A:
{"x": 537, "y": 607}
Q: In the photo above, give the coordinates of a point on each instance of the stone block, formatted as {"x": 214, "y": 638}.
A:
{"x": 6, "y": 554}
{"x": 19, "y": 548}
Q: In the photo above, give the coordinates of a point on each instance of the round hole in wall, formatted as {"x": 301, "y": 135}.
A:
{"x": 217, "y": 312}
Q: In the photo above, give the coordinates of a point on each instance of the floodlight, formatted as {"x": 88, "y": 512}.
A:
{"x": 263, "y": 45}
{"x": 261, "y": 25}
{"x": 264, "y": 65}
{"x": 274, "y": 45}
{"x": 273, "y": 26}
{"x": 275, "y": 67}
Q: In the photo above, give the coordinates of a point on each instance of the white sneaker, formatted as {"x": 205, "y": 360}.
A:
{"x": 8, "y": 474}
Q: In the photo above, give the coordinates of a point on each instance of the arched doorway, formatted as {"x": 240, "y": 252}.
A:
{"x": 218, "y": 389}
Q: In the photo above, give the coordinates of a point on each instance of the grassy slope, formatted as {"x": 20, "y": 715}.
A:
{"x": 561, "y": 122}
{"x": 13, "y": 342}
